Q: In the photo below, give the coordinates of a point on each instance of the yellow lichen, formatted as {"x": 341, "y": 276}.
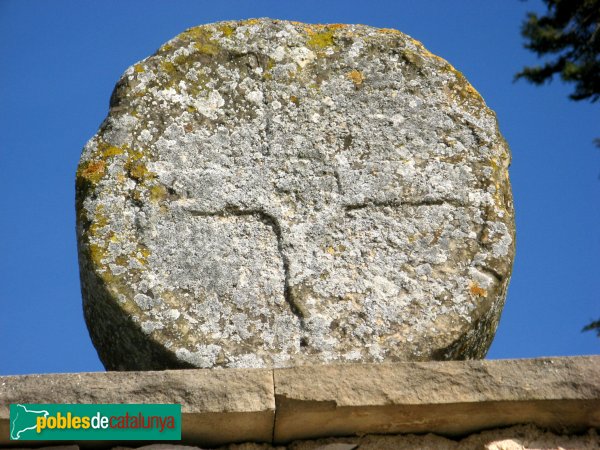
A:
{"x": 92, "y": 171}
{"x": 135, "y": 168}
{"x": 168, "y": 67}
{"x": 138, "y": 68}
{"x": 471, "y": 92}
{"x": 227, "y": 30}
{"x": 321, "y": 27}
{"x": 176, "y": 70}
{"x": 157, "y": 193}
{"x": 141, "y": 254}
{"x": 477, "y": 290}
{"x": 462, "y": 87}
{"x": 97, "y": 254}
{"x": 202, "y": 39}
{"x": 106, "y": 150}
{"x": 134, "y": 155}
{"x": 144, "y": 251}
{"x": 99, "y": 222}
{"x": 412, "y": 57}
{"x": 139, "y": 172}
{"x": 356, "y": 77}
{"x": 388, "y": 31}
{"x": 122, "y": 260}
{"x": 165, "y": 48}
{"x": 320, "y": 40}
{"x": 206, "y": 48}
{"x": 428, "y": 54}
{"x": 270, "y": 64}
{"x": 180, "y": 60}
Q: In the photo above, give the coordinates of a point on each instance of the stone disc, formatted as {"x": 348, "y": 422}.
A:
{"x": 267, "y": 193}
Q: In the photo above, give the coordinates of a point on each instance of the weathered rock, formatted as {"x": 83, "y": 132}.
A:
{"x": 267, "y": 193}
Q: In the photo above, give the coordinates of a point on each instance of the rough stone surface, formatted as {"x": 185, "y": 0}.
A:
{"x": 267, "y": 194}
{"x": 319, "y": 401}
{"x": 513, "y": 438}
{"x": 221, "y": 407}
{"x": 232, "y": 405}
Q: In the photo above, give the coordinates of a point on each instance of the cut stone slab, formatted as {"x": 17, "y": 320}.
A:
{"x": 451, "y": 398}
{"x": 225, "y": 406}
{"x": 216, "y": 407}
{"x": 269, "y": 194}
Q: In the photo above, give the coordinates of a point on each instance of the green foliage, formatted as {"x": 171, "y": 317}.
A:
{"x": 570, "y": 34}
{"x": 594, "y": 326}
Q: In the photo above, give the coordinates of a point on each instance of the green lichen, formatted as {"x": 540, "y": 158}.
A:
{"x": 140, "y": 172}
{"x": 158, "y": 193}
{"x": 168, "y": 67}
{"x": 227, "y": 30}
{"x": 141, "y": 255}
{"x": 267, "y": 75}
{"x": 176, "y": 71}
{"x": 134, "y": 166}
{"x": 180, "y": 60}
{"x": 105, "y": 150}
{"x": 165, "y": 48}
{"x": 97, "y": 254}
{"x": 122, "y": 260}
{"x": 206, "y": 48}
{"x": 100, "y": 221}
{"x": 134, "y": 155}
{"x": 202, "y": 39}
{"x": 320, "y": 40}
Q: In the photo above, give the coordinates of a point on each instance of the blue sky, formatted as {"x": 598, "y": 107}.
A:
{"x": 61, "y": 59}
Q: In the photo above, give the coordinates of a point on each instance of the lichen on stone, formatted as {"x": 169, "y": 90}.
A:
{"x": 268, "y": 193}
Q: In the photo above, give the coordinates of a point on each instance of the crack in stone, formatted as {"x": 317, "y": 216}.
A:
{"x": 338, "y": 181}
{"x": 398, "y": 204}
{"x": 494, "y": 273}
{"x": 272, "y": 222}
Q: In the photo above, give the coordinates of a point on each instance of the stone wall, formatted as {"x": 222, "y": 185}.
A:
{"x": 449, "y": 404}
